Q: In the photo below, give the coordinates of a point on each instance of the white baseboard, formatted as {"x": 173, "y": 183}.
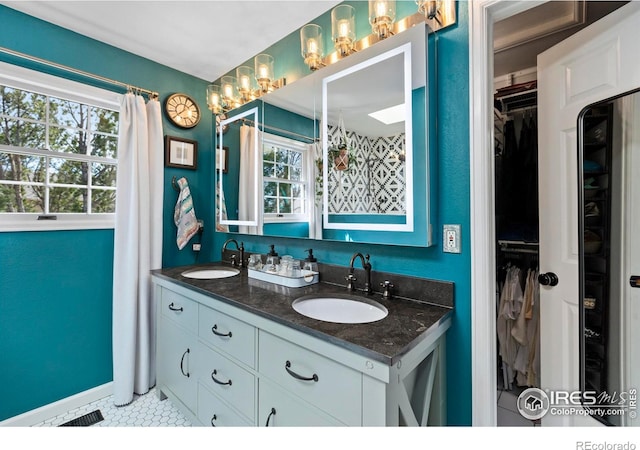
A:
{"x": 45, "y": 412}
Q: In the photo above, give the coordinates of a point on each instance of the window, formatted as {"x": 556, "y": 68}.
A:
{"x": 58, "y": 152}
{"x": 285, "y": 180}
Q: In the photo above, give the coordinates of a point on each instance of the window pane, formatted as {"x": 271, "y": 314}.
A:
{"x": 297, "y": 206}
{"x": 22, "y": 134}
{"x": 267, "y": 170}
{"x": 104, "y": 121}
{"x": 295, "y": 159}
{"x": 103, "y": 174}
{"x": 68, "y": 113}
{"x": 270, "y": 189}
{"x": 104, "y": 146}
{"x": 19, "y": 103}
{"x": 282, "y": 171}
{"x": 284, "y": 190}
{"x": 20, "y": 199}
{"x": 296, "y": 173}
{"x": 67, "y": 200}
{"x": 21, "y": 168}
{"x": 297, "y": 190}
{"x": 103, "y": 201}
{"x": 63, "y": 171}
{"x": 270, "y": 205}
{"x": 282, "y": 156}
{"x": 269, "y": 153}
{"x": 285, "y": 206}
{"x": 68, "y": 140}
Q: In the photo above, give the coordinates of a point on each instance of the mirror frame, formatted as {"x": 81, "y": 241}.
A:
{"x": 405, "y": 50}
{"x": 220, "y": 164}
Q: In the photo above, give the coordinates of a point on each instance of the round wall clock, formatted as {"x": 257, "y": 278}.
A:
{"x": 182, "y": 110}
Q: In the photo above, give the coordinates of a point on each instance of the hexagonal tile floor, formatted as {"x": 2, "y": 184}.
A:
{"x": 144, "y": 411}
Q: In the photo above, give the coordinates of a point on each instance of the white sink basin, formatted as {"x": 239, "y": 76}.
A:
{"x": 210, "y": 273}
{"x": 340, "y": 309}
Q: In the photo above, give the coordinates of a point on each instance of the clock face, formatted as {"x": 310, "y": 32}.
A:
{"x": 182, "y": 110}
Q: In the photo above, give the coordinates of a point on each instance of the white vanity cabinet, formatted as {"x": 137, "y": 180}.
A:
{"x": 225, "y": 366}
{"x": 177, "y": 341}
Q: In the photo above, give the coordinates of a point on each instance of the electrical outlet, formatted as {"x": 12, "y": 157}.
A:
{"x": 451, "y": 239}
{"x": 196, "y": 247}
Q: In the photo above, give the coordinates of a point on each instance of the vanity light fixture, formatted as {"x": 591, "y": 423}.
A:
{"x": 264, "y": 72}
{"x": 245, "y": 78}
{"x": 382, "y": 14}
{"x": 214, "y": 98}
{"x": 343, "y": 28}
{"x": 438, "y": 13}
{"x": 312, "y": 45}
{"x": 228, "y": 89}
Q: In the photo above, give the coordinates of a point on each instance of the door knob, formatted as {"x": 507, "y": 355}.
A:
{"x": 548, "y": 279}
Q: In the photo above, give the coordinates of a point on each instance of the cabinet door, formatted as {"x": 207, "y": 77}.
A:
{"x": 279, "y": 408}
{"x": 176, "y": 358}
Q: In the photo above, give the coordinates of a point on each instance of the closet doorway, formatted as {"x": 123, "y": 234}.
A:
{"x": 518, "y": 40}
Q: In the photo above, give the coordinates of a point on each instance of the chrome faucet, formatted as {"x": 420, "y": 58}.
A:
{"x": 240, "y": 248}
{"x": 366, "y": 265}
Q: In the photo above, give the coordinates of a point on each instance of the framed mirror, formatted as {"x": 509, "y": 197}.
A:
{"x": 291, "y": 120}
{"x": 366, "y": 131}
{"x": 609, "y": 255}
{"x": 237, "y": 189}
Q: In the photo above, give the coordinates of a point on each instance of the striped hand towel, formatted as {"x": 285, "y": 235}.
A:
{"x": 184, "y": 215}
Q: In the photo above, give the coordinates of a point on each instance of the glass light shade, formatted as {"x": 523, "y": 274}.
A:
{"x": 245, "y": 79}
{"x": 264, "y": 71}
{"x": 428, "y": 7}
{"x": 382, "y": 14}
{"x": 228, "y": 88}
{"x": 343, "y": 28}
{"x": 214, "y": 98}
{"x": 312, "y": 46}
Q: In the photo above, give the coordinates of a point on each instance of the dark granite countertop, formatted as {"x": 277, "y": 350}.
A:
{"x": 387, "y": 340}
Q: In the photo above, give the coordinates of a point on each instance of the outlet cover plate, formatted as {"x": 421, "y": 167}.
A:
{"x": 451, "y": 239}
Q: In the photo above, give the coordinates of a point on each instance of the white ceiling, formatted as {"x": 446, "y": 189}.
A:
{"x": 203, "y": 38}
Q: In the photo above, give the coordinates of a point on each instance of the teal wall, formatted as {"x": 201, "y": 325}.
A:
{"x": 32, "y": 357}
{"x": 55, "y": 320}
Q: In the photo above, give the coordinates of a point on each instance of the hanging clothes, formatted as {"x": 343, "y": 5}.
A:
{"x": 518, "y": 326}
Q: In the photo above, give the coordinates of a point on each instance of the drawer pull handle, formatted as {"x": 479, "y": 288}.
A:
{"x": 212, "y": 419}
{"x": 272, "y": 413}
{"x": 182, "y": 364}
{"x": 218, "y": 381}
{"x": 217, "y": 333}
{"x": 173, "y": 308}
{"x": 287, "y": 366}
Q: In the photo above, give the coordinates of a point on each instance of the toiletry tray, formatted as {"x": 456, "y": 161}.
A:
{"x": 307, "y": 278}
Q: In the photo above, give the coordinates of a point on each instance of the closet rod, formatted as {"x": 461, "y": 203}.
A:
{"x": 292, "y": 133}
{"x": 151, "y": 94}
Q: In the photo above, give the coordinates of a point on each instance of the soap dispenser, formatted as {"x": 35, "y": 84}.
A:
{"x": 273, "y": 251}
{"x": 310, "y": 262}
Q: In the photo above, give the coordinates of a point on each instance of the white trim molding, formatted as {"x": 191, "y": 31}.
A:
{"x": 482, "y": 15}
{"x": 45, "y": 412}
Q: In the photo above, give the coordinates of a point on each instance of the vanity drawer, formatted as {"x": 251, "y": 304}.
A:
{"x": 213, "y": 411}
{"x": 227, "y": 380}
{"x": 327, "y": 384}
{"x": 180, "y": 309}
{"x": 232, "y": 336}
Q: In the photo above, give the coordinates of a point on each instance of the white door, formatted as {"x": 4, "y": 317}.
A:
{"x": 598, "y": 62}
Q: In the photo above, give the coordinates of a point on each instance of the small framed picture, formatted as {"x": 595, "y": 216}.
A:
{"x": 225, "y": 159}
{"x": 180, "y": 152}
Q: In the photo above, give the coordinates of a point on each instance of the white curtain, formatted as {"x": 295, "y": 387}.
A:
{"x": 248, "y": 182}
{"x": 137, "y": 246}
{"x": 314, "y": 151}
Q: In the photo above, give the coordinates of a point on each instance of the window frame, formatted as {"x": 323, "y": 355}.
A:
{"x": 30, "y": 80}
{"x": 294, "y": 145}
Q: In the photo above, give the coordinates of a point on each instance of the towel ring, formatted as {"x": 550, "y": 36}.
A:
{"x": 174, "y": 184}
